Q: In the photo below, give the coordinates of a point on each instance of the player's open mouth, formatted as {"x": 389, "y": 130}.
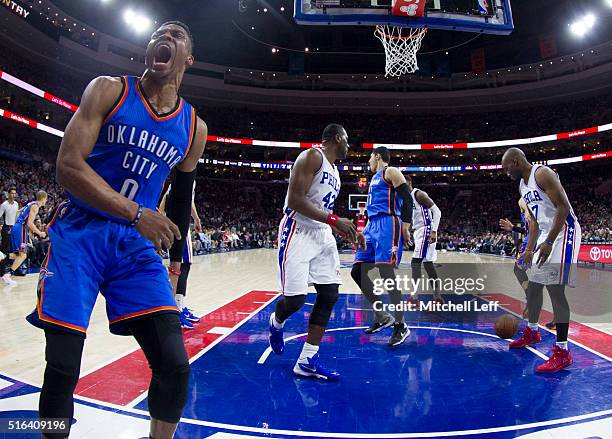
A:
{"x": 163, "y": 56}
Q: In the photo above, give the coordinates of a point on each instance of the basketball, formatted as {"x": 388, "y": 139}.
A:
{"x": 506, "y": 326}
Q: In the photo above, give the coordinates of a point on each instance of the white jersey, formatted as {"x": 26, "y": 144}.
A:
{"x": 540, "y": 203}
{"x": 322, "y": 193}
{"x": 560, "y": 267}
{"x": 422, "y": 224}
{"x": 421, "y": 215}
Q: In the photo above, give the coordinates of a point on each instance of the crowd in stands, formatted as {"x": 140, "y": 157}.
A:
{"x": 241, "y": 214}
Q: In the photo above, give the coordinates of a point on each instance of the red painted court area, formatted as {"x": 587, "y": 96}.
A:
{"x": 590, "y": 337}
{"x": 127, "y": 378}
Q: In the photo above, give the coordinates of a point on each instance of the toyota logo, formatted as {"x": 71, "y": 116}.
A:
{"x": 595, "y": 253}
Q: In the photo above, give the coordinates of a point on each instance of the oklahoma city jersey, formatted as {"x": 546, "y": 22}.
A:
{"x": 322, "y": 193}
{"x": 382, "y": 197}
{"x": 24, "y": 214}
{"x": 137, "y": 148}
{"x": 134, "y": 153}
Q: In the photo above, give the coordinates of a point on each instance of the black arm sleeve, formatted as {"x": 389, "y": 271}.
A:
{"x": 178, "y": 209}
{"x": 404, "y": 193}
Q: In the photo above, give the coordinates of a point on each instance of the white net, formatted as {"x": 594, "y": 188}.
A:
{"x": 401, "y": 46}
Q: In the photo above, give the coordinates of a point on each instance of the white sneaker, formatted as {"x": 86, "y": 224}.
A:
{"x": 2, "y": 256}
{"x": 8, "y": 280}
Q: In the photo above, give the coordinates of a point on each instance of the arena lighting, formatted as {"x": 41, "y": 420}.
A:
{"x": 609, "y": 3}
{"x": 581, "y": 26}
{"x": 139, "y": 22}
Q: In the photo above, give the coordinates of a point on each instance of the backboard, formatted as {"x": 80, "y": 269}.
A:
{"x": 485, "y": 16}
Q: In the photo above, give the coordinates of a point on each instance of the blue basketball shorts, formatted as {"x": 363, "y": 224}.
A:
{"x": 384, "y": 241}
{"x": 90, "y": 254}
{"x": 19, "y": 238}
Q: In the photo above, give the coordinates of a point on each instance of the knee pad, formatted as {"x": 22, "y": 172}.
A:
{"x": 288, "y": 305}
{"x": 161, "y": 339}
{"x": 168, "y": 392}
{"x": 327, "y": 296}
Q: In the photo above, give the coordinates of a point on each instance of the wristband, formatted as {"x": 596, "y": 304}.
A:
{"x": 332, "y": 220}
{"x": 174, "y": 271}
{"x": 549, "y": 242}
{"x": 134, "y": 223}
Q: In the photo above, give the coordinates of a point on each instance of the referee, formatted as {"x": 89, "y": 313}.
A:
{"x": 8, "y": 213}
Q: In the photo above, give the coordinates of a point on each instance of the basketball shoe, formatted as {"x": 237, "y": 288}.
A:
{"x": 276, "y": 340}
{"x": 379, "y": 326}
{"x": 560, "y": 359}
{"x": 185, "y": 324}
{"x": 529, "y": 337}
{"x": 400, "y": 333}
{"x": 311, "y": 367}
{"x": 189, "y": 315}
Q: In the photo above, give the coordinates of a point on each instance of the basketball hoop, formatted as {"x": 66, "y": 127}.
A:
{"x": 401, "y": 46}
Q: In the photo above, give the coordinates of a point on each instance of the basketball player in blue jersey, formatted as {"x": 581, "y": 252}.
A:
{"x": 24, "y": 224}
{"x": 118, "y": 149}
{"x": 556, "y": 253}
{"x": 389, "y": 216}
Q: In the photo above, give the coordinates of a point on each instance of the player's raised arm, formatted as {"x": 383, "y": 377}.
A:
{"x": 82, "y": 132}
{"x": 549, "y": 181}
{"x": 302, "y": 175}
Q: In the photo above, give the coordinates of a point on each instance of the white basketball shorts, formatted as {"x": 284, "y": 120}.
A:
{"x": 306, "y": 256}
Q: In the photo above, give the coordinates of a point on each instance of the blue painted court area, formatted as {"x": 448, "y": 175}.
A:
{"x": 452, "y": 377}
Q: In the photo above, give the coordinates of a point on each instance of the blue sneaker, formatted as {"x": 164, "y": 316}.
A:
{"x": 189, "y": 315}
{"x": 276, "y": 340}
{"x": 185, "y": 324}
{"x": 312, "y": 368}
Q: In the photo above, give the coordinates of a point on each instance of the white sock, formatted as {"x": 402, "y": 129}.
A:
{"x": 308, "y": 351}
{"x": 180, "y": 301}
{"x": 533, "y": 326}
{"x": 562, "y": 345}
{"x": 275, "y": 323}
